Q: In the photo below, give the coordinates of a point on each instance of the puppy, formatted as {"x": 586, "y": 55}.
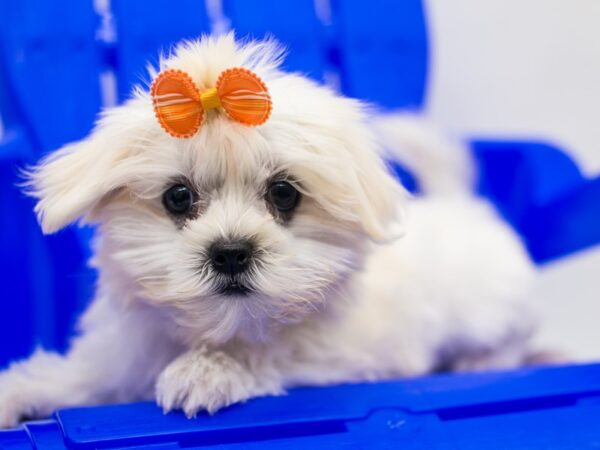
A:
{"x": 239, "y": 261}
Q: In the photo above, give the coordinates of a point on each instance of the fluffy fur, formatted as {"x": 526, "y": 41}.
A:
{"x": 337, "y": 295}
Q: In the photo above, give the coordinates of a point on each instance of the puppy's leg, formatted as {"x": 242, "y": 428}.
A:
{"x": 203, "y": 379}
{"x": 35, "y": 387}
{"x": 505, "y": 356}
{"x": 115, "y": 360}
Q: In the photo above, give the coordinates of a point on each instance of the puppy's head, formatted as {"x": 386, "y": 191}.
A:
{"x": 236, "y": 230}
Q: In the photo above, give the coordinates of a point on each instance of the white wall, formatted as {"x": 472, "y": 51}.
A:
{"x": 528, "y": 68}
{"x": 519, "y": 68}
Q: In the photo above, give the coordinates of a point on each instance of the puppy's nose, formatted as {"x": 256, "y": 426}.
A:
{"x": 231, "y": 257}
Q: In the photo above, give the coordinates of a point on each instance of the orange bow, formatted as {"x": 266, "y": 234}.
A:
{"x": 179, "y": 105}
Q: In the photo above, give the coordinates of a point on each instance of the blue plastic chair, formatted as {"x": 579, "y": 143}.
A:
{"x": 50, "y": 63}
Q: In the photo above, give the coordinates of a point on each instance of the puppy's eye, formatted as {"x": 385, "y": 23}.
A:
{"x": 178, "y": 199}
{"x": 283, "y": 196}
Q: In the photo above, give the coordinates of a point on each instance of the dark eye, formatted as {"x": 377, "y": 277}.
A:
{"x": 178, "y": 199}
{"x": 283, "y": 196}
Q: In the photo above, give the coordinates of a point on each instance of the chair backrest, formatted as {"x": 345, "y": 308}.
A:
{"x": 383, "y": 51}
{"x": 146, "y": 29}
{"x": 370, "y": 49}
{"x": 50, "y": 91}
{"x": 293, "y": 22}
{"x": 52, "y": 68}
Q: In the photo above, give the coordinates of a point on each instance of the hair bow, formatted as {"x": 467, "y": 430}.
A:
{"x": 179, "y": 105}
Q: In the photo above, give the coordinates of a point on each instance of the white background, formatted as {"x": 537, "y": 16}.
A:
{"x": 528, "y": 68}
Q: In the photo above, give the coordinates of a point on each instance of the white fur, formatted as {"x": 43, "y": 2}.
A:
{"x": 337, "y": 296}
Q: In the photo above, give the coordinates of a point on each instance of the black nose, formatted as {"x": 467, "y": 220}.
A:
{"x": 231, "y": 257}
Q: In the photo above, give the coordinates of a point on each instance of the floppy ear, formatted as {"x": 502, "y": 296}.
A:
{"x": 71, "y": 181}
{"x": 379, "y": 198}
{"x": 354, "y": 184}
{"x": 371, "y": 195}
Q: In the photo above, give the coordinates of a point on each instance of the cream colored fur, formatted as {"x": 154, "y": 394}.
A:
{"x": 352, "y": 288}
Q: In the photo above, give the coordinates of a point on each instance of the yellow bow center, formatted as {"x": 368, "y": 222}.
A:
{"x": 210, "y": 99}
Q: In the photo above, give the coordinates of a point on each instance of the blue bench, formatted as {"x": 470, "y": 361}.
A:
{"x": 552, "y": 408}
{"x": 51, "y": 60}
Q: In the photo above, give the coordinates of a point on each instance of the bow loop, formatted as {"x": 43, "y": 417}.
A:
{"x": 176, "y": 103}
{"x": 180, "y": 107}
{"x": 244, "y": 96}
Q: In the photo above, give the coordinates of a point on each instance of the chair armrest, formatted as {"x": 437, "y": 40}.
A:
{"x": 540, "y": 190}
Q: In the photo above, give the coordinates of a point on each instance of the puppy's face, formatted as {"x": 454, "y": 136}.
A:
{"x": 237, "y": 230}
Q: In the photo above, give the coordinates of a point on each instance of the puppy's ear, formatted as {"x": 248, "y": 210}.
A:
{"x": 379, "y": 197}
{"x": 71, "y": 182}
{"x": 349, "y": 179}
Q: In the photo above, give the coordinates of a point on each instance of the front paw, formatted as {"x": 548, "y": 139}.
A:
{"x": 11, "y": 412}
{"x": 199, "y": 381}
{"x": 15, "y": 402}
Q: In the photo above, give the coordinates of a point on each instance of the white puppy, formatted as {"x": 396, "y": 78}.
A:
{"x": 245, "y": 260}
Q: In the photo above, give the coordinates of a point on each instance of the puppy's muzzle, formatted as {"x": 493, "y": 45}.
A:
{"x": 231, "y": 257}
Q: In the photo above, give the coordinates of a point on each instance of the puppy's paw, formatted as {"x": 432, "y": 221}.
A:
{"x": 505, "y": 358}
{"x": 198, "y": 381}
{"x": 13, "y": 404}
{"x": 29, "y": 391}
{"x": 10, "y": 414}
